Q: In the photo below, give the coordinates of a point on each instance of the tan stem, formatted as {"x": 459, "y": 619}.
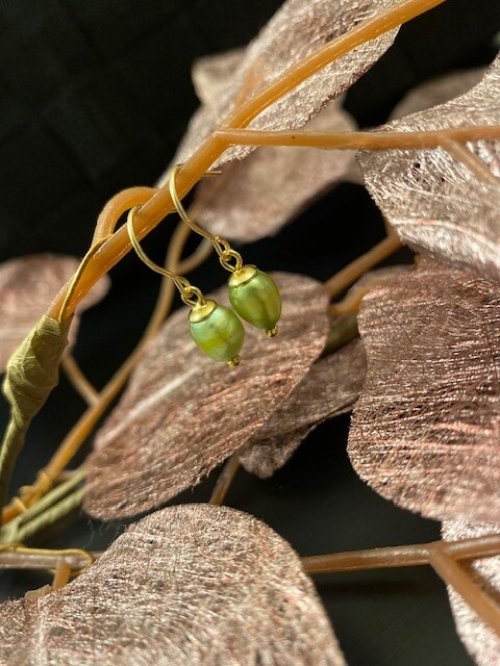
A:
{"x": 474, "y": 596}
{"x": 79, "y": 380}
{"x": 225, "y": 480}
{"x": 359, "y": 140}
{"x": 400, "y": 556}
{"x": 475, "y": 165}
{"x": 353, "y": 271}
{"x": 62, "y": 574}
{"x": 193, "y": 170}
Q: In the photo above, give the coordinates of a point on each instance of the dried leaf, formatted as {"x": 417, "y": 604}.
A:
{"x": 183, "y": 414}
{"x": 480, "y": 640}
{"x": 193, "y": 584}
{"x": 426, "y": 429}
{"x": 298, "y": 29}
{"x": 437, "y": 91}
{"x": 256, "y": 196}
{"x": 436, "y": 203}
{"x": 330, "y": 388}
{"x": 28, "y": 285}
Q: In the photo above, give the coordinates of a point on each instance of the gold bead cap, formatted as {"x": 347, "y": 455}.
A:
{"x": 242, "y": 275}
{"x": 201, "y": 312}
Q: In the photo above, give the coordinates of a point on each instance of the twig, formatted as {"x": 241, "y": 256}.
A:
{"x": 374, "y": 140}
{"x": 353, "y": 271}
{"x": 79, "y": 380}
{"x": 225, "y": 480}
{"x": 193, "y": 170}
{"x": 401, "y": 556}
{"x": 457, "y": 577}
{"x": 475, "y": 165}
{"x": 22, "y": 557}
{"x": 62, "y": 574}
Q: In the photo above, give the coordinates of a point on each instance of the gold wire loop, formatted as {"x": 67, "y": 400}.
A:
{"x": 226, "y": 253}
{"x": 190, "y": 295}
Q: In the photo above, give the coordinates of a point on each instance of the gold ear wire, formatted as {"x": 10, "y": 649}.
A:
{"x": 190, "y": 295}
{"x": 253, "y": 294}
{"x": 215, "y": 329}
{"x": 229, "y": 258}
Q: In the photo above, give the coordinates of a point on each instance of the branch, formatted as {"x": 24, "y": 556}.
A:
{"x": 401, "y": 556}
{"x": 353, "y": 271}
{"x": 380, "y": 140}
{"x": 193, "y": 170}
{"x": 225, "y": 480}
{"x": 457, "y": 577}
{"x": 79, "y": 380}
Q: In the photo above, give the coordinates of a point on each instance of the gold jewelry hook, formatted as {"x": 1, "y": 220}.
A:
{"x": 190, "y": 295}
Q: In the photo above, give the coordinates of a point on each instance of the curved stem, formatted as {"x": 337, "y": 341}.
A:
{"x": 192, "y": 171}
{"x": 79, "y": 380}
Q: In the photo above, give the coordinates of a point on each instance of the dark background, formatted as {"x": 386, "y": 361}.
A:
{"x": 94, "y": 97}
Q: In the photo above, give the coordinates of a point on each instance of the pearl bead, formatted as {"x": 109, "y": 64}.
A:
{"x": 256, "y": 298}
{"x": 217, "y": 331}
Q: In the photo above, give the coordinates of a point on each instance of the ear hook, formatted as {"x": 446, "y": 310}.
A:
{"x": 225, "y": 252}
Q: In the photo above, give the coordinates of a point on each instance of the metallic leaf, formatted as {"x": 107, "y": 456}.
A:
{"x": 480, "y": 640}
{"x": 256, "y": 196}
{"x": 426, "y": 429}
{"x": 437, "y": 91}
{"x": 192, "y": 584}
{"x": 298, "y": 29}
{"x": 183, "y": 413}
{"x": 28, "y": 285}
{"x": 436, "y": 203}
{"x": 330, "y": 388}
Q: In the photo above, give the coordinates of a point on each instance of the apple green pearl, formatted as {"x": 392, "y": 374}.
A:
{"x": 219, "y": 334}
{"x": 255, "y": 297}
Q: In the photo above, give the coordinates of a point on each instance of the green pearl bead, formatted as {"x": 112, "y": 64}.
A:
{"x": 217, "y": 331}
{"x": 256, "y": 298}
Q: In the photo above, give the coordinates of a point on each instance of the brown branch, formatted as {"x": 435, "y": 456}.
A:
{"x": 380, "y": 140}
{"x": 353, "y": 271}
{"x": 193, "y": 170}
{"x": 473, "y": 163}
{"x": 401, "y": 556}
{"x": 225, "y": 480}
{"x": 457, "y": 577}
{"x": 79, "y": 380}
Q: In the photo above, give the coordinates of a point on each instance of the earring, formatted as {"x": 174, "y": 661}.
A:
{"x": 252, "y": 293}
{"x": 215, "y": 329}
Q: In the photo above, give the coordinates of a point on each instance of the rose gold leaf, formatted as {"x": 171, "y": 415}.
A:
{"x": 479, "y": 639}
{"x": 330, "y": 388}
{"x": 255, "y": 197}
{"x": 298, "y": 29}
{"x": 426, "y": 429}
{"x": 193, "y": 584}
{"x": 437, "y": 203}
{"x": 183, "y": 413}
{"x": 437, "y": 91}
{"x": 28, "y": 285}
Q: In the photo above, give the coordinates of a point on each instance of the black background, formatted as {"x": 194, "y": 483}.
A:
{"x": 94, "y": 97}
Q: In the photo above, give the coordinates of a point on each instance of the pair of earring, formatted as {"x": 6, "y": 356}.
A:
{"x": 253, "y": 294}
